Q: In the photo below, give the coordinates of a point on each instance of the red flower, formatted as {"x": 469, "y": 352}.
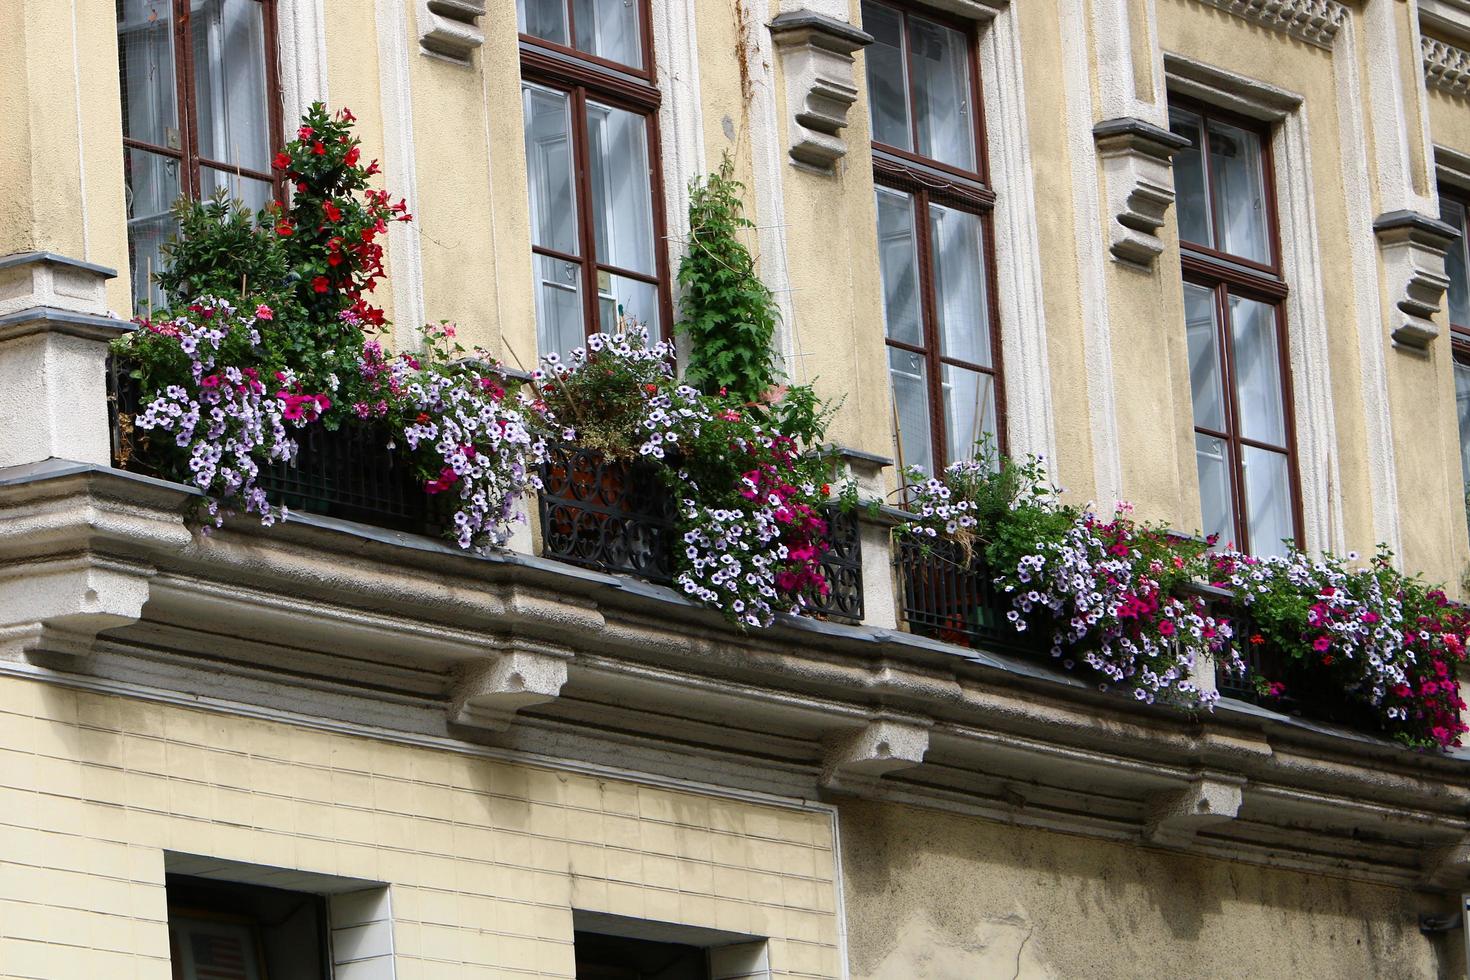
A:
{"x": 282, "y": 161}
{"x": 318, "y": 149}
{"x": 345, "y": 114}
{"x": 284, "y": 229}
{"x": 304, "y": 132}
{"x": 320, "y": 284}
{"x": 333, "y": 212}
{"x": 351, "y": 158}
{"x": 650, "y": 388}
{"x": 826, "y": 490}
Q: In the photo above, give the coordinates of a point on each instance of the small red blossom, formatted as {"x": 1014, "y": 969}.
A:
{"x": 282, "y": 161}
{"x": 320, "y": 284}
{"x": 318, "y": 149}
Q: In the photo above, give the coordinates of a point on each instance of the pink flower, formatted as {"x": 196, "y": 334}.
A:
{"x": 263, "y": 312}
{"x": 1322, "y": 644}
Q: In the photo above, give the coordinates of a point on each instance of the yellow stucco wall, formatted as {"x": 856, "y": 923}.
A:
{"x": 485, "y": 860}
{"x": 944, "y": 897}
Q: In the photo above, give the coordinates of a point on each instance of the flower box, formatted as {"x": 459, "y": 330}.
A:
{"x": 350, "y": 473}
{"x": 951, "y": 597}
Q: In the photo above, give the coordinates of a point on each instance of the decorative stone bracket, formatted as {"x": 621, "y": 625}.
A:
{"x": 60, "y": 607}
{"x": 1135, "y": 157}
{"x": 490, "y": 692}
{"x": 1446, "y": 67}
{"x": 1448, "y": 867}
{"x": 816, "y": 55}
{"x": 1413, "y": 246}
{"x": 1175, "y": 817}
{"x": 451, "y": 28}
{"x": 881, "y": 746}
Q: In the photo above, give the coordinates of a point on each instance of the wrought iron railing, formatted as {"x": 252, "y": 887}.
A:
{"x": 949, "y": 595}
{"x": 842, "y": 567}
{"x": 350, "y": 473}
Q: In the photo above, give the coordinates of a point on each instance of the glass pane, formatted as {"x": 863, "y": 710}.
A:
{"x": 1240, "y": 192}
{"x": 229, "y": 82}
{"x": 1216, "y": 510}
{"x": 898, "y": 265}
{"x": 959, "y": 284}
{"x": 145, "y": 42}
{"x": 1205, "y": 374}
{"x": 1462, "y": 410}
{"x": 546, "y": 19}
{"x": 1191, "y": 203}
{"x": 911, "y": 401}
{"x": 1267, "y": 500}
{"x": 969, "y": 410}
{"x": 609, "y": 29}
{"x": 638, "y": 300}
{"x": 941, "y": 63}
{"x": 1257, "y": 371}
{"x": 888, "y": 88}
{"x": 1453, "y": 212}
{"x": 255, "y": 193}
{"x": 622, "y": 200}
{"x": 151, "y": 187}
{"x": 558, "y": 305}
{"x": 548, "y": 117}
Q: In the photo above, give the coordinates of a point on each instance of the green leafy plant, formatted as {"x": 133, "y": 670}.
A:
{"x": 729, "y": 317}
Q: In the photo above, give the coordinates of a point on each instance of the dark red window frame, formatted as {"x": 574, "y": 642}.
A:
{"x": 933, "y": 181}
{"x": 580, "y": 75}
{"x": 1229, "y": 275}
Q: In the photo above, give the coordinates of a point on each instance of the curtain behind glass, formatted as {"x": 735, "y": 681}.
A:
{"x": 230, "y": 82}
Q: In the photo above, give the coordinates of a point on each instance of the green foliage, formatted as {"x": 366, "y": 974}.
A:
{"x": 728, "y": 315}
{"x": 220, "y": 252}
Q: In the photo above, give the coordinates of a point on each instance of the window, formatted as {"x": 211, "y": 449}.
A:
{"x": 1233, "y": 290}
{"x": 201, "y": 112}
{"x": 602, "y": 957}
{"x": 592, "y": 164}
{"x": 226, "y": 931}
{"x": 934, "y": 234}
{"x": 1454, "y": 208}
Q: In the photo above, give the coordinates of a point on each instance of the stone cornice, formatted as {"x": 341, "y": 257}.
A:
{"x": 372, "y": 627}
{"x": 1446, "y": 67}
{"x": 1313, "y": 21}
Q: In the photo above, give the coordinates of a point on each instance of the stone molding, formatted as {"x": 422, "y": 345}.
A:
{"x": 817, "y": 60}
{"x": 1137, "y": 175}
{"x": 451, "y": 28}
{"x": 1446, "y": 67}
{"x": 45, "y": 279}
{"x": 489, "y": 693}
{"x": 1413, "y": 247}
{"x": 1313, "y": 21}
{"x": 59, "y": 607}
{"x": 881, "y": 746}
{"x": 1176, "y": 816}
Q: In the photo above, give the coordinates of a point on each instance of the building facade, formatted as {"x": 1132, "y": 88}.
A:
{"x": 1205, "y": 255}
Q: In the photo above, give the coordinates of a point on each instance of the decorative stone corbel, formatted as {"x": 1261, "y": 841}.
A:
{"x": 1175, "y": 817}
{"x": 816, "y": 57}
{"x": 1413, "y": 246}
{"x": 1448, "y": 867}
{"x": 488, "y": 693}
{"x": 1137, "y": 175}
{"x": 53, "y": 359}
{"x": 881, "y": 746}
{"x": 451, "y": 28}
{"x": 1446, "y": 67}
{"x": 60, "y": 607}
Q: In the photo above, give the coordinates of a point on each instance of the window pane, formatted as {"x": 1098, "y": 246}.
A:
{"x": 1267, "y": 500}
{"x": 941, "y": 64}
{"x": 898, "y": 264}
{"x": 959, "y": 284}
{"x": 1257, "y": 371}
{"x": 546, "y": 19}
{"x": 558, "y": 304}
{"x": 638, "y": 300}
{"x": 549, "y": 169}
{"x": 229, "y": 82}
{"x": 151, "y": 187}
{"x": 969, "y": 410}
{"x": 145, "y": 43}
{"x": 1191, "y": 203}
{"x": 255, "y": 193}
{"x": 888, "y": 89}
{"x": 911, "y": 401}
{"x": 1462, "y": 409}
{"x": 1240, "y": 193}
{"x": 622, "y": 204}
{"x": 609, "y": 29}
{"x": 1453, "y": 212}
{"x": 1216, "y": 510}
{"x": 1205, "y": 374}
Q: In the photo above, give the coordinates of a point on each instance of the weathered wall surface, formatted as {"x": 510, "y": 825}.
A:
{"x": 945, "y": 897}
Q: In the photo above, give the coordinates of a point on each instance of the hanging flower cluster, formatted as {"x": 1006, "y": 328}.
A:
{"x": 750, "y": 496}
{"x": 1381, "y": 638}
{"x": 481, "y": 443}
{"x": 222, "y": 419}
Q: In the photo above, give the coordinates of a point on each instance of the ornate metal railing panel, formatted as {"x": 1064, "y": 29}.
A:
{"x": 948, "y": 595}
{"x": 842, "y": 567}
{"x": 350, "y": 473}
{"x": 607, "y": 514}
